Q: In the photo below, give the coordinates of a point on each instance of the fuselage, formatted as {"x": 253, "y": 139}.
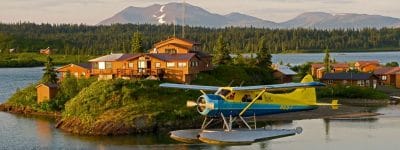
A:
{"x": 216, "y": 105}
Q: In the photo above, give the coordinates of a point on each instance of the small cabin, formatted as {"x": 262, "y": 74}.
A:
{"x": 82, "y": 70}
{"x": 45, "y": 92}
{"x": 283, "y": 74}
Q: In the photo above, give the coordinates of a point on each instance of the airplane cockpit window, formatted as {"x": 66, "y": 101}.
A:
{"x": 246, "y": 98}
{"x": 224, "y": 92}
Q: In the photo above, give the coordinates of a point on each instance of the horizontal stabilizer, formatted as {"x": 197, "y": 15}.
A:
{"x": 334, "y": 104}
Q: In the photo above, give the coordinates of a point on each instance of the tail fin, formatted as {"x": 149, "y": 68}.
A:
{"x": 304, "y": 95}
{"x": 308, "y": 94}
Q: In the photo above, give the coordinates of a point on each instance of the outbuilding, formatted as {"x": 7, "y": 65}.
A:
{"x": 46, "y": 92}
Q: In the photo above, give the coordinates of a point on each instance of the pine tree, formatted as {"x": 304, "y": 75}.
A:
{"x": 264, "y": 56}
{"x": 137, "y": 46}
{"x": 327, "y": 61}
{"x": 50, "y": 75}
{"x": 221, "y": 52}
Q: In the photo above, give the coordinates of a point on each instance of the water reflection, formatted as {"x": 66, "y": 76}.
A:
{"x": 43, "y": 131}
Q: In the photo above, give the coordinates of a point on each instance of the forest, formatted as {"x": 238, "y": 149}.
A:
{"x": 75, "y": 39}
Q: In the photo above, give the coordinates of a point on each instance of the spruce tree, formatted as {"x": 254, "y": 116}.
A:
{"x": 263, "y": 56}
{"x": 50, "y": 75}
{"x": 137, "y": 43}
{"x": 327, "y": 61}
{"x": 221, "y": 52}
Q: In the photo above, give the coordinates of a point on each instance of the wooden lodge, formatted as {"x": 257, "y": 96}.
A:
{"x": 389, "y": 76}
{"x": 174, "y": 59}
{"x": 351, "y": 78}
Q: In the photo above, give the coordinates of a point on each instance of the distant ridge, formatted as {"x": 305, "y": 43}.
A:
{"x": 197, "y": 16}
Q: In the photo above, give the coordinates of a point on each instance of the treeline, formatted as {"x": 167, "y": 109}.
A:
{"x": 96, "y": 40}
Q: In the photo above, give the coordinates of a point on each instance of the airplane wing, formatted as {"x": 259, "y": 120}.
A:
{"x": 190, "y": 87}
{"x": 243, "y": 88}
{"x": 278, "y": 86}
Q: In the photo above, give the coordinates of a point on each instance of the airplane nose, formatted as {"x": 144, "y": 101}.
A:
{"x": 204, "y": 105}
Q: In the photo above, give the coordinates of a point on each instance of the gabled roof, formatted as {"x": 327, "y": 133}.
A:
{"x": 318, "y": 65}
{"x": 367, "y": 62}
{"x": 347, "y": 76}
{"x": 180, "y": 45}
{"x": 173, "y": 57}
{"x": 387, "y": 70}
{"x": 50, "y": 85}
{"x": 113, "y": 57}
{"x": 335, "y": 65}
{"x": 182, "y": 39}
{"x": 285, "y": 70}
{"x": 87, "y": 66}
{"x": 340, "y": 65}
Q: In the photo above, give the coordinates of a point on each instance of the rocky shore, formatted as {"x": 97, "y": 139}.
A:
{"x": 24, "y": 110}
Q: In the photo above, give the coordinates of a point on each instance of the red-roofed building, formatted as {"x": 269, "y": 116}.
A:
{"x": 366, "y": 66}
{"x": 82, "y": 70}
{"x": 318, "y": 69}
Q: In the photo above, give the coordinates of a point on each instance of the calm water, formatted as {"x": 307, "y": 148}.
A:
{"x": 20, "y": 132}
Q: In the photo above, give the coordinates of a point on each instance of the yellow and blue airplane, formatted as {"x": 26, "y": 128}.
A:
{"x": 247, "y": 101}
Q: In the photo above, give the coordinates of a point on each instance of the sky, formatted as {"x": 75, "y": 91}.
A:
{"x": 93, "y": 11}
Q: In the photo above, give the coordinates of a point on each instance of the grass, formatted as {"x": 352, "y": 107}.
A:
{"x": 235, "y": 75}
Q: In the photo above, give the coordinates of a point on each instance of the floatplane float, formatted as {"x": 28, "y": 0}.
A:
{"x": 235, "y": 105}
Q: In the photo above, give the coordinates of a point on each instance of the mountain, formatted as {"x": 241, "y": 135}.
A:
{"x": 321, "y": 20}
{"x": 196, "y": 16}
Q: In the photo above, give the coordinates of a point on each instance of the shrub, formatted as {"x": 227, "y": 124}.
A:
{"x": 341, "y": 91}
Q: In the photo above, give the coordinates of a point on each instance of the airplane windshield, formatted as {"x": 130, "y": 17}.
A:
{"x": 224, "y": 92}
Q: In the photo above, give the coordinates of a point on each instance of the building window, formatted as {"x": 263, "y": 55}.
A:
{"x": 170, "y": 64}
{"x": 330, "y": 81}
{"x": 181, "y": 64}
{"x": 96, "y": 65}
{"x": 130, "y": 65}
{"x": 102, "y": 65}
{"x": 384, "y": 78}
{"x": 194, "y": 63}
{"x": 158, "y": 65}
{"x": 170, "y": 51}
{"x": 83, "y": 74}
{"x": 76, "y": 74}
{"x": 108, "y": 65}
{"x": 360, "y": 82}
{"x": 142, "y": 64}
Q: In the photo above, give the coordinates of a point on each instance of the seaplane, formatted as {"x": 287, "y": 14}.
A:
{"x": 235, "y": 106}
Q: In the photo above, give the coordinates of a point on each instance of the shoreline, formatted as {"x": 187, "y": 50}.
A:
{"x": 27, "y": 111}
{"x": 115, "y": 128}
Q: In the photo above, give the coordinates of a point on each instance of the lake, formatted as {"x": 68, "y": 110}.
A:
{"x": 382, "y": 132}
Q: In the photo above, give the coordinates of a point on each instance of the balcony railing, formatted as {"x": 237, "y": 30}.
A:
{"x": 135, "y": 72}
